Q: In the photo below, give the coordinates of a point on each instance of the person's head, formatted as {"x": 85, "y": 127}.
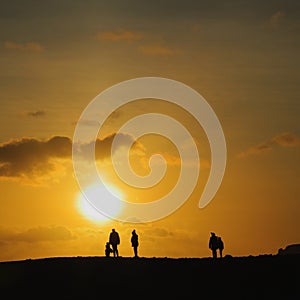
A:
{"x": 133, "y": 231}
{"x": 212, "y": 234}
{"x": 113, "y": 230}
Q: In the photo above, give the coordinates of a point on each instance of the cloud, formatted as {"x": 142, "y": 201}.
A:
{"x": 156, "y": 50}
{"x": 285, "y": 139}
{"x": 88, "y": 123}
{"x": 38, "y": 234}
{"x": 36, "y": 113}
{"x": 159, "y": 232}
{"x": 119, "y": 35}
{"x": 35, "y": 161}
{"x": 115, "y": 115}
{"x": 30, "y": 46}
{"x": 276, "y": 19}
{"x": 176, "y": 160}
{"x": 30, "y": 158}
{"x": 103, "y": 146}
{"x": 41, "y": 161}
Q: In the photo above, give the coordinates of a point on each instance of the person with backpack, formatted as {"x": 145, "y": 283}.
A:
{"x": 213, "y": 244}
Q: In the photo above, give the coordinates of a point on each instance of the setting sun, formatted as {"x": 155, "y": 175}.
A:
{"x": 89, "y": 211}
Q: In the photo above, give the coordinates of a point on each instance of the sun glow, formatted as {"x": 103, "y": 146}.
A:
{"x": 89, "y": 211}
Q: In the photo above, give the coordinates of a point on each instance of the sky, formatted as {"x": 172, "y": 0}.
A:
{"x": 57, "y": 56}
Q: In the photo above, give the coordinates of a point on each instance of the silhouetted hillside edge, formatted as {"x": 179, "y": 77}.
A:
{"x": 289, "y": 249}
{"x": 252, "y": 277}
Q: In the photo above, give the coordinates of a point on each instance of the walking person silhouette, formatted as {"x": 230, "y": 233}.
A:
{"x": 135, "y": 242}
{"x": 114, "y": 240}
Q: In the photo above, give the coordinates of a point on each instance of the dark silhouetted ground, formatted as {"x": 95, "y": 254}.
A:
{"x": 253, "y": 277}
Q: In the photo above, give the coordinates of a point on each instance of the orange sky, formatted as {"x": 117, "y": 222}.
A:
{"x": 58, "y": 56}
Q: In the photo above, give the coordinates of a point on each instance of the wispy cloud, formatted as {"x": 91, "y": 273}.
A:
{"x": 159, "y": 232}
{"x": 29, "y": 46}
{"x": 37, "y": 234}
{"x": 115, "y": 115}
{"x": 282, "y": 140}
{"x": 156, "y": 50}
{"x": 119, "y": 35}
{"x": 286, "y": 140}
{"x": 130, "y": 36}
{"x": 277, "y": 18}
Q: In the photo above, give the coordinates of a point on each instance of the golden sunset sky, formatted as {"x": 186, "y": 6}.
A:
{"x": 57, "y": 56}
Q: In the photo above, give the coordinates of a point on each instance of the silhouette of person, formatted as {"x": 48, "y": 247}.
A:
{"x": 220, "y": 246}
{"x": 213, "y": 244}
{"x": 114, "y": 241}
{"x": 108, "y": 249}
{"x": 135, "y": 242}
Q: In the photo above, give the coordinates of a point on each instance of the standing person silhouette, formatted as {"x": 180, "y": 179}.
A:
{"x": 213, "y": 244}
{"x": 135, "y": 242}
{"x": 114, "y": 240}
{"x": 220, "y": 246}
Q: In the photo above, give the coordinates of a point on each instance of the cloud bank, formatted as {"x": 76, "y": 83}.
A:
{"x": 33, "y": 160}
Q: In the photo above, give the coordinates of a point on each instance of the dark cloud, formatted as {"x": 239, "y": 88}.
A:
{"x": 104, "y": 146}
{"x": 36, "y": 113}
{"x": 37, "y": 161}
{"x": 30, "y": 155}
{"x": 33, "y": 158}
{"x": 283, "y": 140}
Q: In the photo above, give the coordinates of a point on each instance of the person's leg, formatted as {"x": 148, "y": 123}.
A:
{"x": 135, "y": 251}
{"x": 114, "y": 250}
{"x": 214, "y": 253}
